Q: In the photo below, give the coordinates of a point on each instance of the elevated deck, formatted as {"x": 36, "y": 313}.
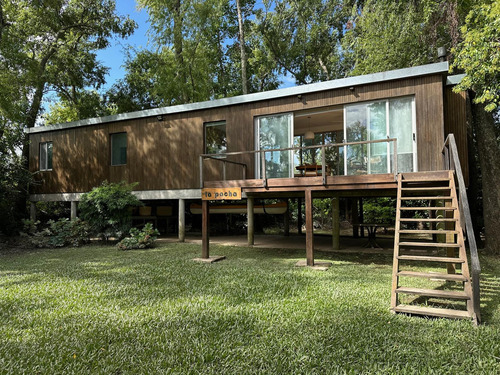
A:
{"x": 362, "y": 185}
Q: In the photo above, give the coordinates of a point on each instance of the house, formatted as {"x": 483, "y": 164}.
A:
{"x": 396, "y": 133}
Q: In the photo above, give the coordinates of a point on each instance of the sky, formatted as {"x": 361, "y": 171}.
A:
{"x": 114, "y": 56}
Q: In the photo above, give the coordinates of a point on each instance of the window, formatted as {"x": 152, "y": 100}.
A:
{"x": 215, "y": 137}
{"x": 46, "y": 156}
{"x": 119, "y": 149}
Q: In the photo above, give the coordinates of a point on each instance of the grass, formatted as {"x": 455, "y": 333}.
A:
{"x": 96, "y": 310}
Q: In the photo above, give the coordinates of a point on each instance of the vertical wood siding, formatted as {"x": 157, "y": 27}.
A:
{"x": 164, "y": 155}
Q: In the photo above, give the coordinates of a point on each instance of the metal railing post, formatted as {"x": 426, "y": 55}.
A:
{"x": 263, "y": 167}
{"x": 395, "y": 159}
{"x": 201, "y": 172}
{"x": 323, "y": 164}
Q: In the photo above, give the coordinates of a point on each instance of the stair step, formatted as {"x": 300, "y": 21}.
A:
{"x": 428, "y": 208}
{"x": 425, "y": 258}
{"x": 453, "y": 294}
{"x": 426, "y": 198}
{"x": 433, "y": 311}
{"x": 426, "y": 188}
{"x": 429, "y": 244}
{"x": 427, "y": 231}
{"x": 434, "y": 275}
{"x": 430, "y": 220}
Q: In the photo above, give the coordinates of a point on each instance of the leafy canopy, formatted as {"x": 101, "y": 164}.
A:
{"x": 478, "y": 55}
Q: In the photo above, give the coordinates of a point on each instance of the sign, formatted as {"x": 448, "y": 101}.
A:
{"x": 218, "y": 194}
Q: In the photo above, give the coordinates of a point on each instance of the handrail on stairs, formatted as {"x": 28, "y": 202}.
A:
{"x": 452, "y": 162}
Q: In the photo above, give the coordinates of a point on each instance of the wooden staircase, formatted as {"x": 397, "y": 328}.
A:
{"x": 428, "y": 211}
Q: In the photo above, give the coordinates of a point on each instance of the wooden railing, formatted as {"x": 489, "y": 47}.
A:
{"x": 223, "y": 158}
{"x": 452, "y": 162}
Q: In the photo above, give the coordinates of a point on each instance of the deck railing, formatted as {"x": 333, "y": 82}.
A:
{"x": 223, "y": 158}
{"x": 452, "y": 162}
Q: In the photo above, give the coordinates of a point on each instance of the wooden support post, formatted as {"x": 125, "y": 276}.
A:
{"x": 336, "y": 223}
{"x": 299, "y": 215}
{"x": 182, "y": 220}
{"x": 250, "y": 221}
{"x": 309, "y": 229}
{"x": 205, "y": 227}
{"x": 74, "y": 212}
{"x": 32, "y": 211}
{"x": 355, "y": 217}
{"x": 286, "y": 219}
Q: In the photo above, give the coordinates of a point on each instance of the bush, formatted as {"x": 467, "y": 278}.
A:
{"x": 106, "y": 209}
{"x": 139, "y": 239}
{"x": 60, "y": 233}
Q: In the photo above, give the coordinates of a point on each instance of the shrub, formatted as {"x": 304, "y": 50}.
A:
{"x": 106, "y": 208}
{"x": 139, "y": 239}
{"x": 60, "y": 233}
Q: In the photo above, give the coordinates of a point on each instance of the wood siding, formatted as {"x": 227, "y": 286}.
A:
{"x": 165, "y": 155}
{"x": 455, "y": 107}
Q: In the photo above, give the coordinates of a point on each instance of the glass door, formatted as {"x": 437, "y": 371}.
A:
{"x": 394, "y": 118}
{"x": 275, "y": 132}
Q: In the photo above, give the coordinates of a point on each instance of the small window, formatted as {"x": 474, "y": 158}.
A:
{"x": 215, "y": 137}
{"x": 119, "y": 149}
{"x": 46, "y": 156}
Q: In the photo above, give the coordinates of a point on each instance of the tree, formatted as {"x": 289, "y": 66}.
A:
{"x": 49, "y": 46}
{"x": 304, "y": 37}
{"x": 478, "y": 55}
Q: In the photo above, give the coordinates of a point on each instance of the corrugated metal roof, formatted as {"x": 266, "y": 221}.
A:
{"x": 437, "y": 68}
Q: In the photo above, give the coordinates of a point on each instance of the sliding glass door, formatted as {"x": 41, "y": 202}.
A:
{"x": 275, "y": 132}
{"x": 380, "y": 120}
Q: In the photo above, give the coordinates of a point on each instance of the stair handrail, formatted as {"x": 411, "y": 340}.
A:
{"x": 452, "y": 162}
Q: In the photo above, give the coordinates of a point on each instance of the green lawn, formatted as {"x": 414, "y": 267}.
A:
{"x": 99, "y": 310}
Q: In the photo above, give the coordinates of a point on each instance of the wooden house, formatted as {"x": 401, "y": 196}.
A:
{"x": 398, "y": 133}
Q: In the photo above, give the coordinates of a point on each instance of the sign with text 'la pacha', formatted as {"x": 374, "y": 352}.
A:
{"x": 218, "y": 194}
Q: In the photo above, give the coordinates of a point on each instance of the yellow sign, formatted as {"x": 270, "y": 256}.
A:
{"x": 218, "y": 194}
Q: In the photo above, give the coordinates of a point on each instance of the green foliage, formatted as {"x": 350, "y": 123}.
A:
{"x": 139, "y": 239}
{"x": 60, "y": 233}
{"x": 379, "y": 210}
{"x": 304, "y": 37}
{"x": 106, "y": 208}
{"x": 478, "y": 55}
{"x": 14, "y": 179}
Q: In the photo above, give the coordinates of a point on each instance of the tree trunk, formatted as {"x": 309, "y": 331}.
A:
{"x": 474, "y": 190}
{"x": 178, "y": 49}
{"x": 489, "y": 159}
{"x": 244, "y": 82}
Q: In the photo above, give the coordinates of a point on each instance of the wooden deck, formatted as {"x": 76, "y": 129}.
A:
{"x": 376, "y": 184}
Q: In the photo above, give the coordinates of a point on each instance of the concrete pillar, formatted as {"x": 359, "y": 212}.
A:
{"x": 250, "y": 221}
{"x": 182, "y": 220}
{"x": 286, "y": 219}
{"x": 32, "y": 211}
{"x": 74, "y": 211}
{"x": 309, "y": 229}
{"x": 336, "y": 223}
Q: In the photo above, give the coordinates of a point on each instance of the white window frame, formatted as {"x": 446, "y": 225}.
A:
{"x": 43, "y": 148}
